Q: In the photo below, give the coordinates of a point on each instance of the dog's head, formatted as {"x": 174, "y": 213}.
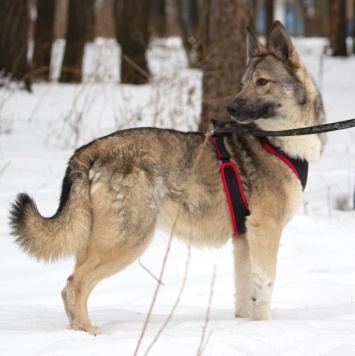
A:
{"x": 271, "y": 84}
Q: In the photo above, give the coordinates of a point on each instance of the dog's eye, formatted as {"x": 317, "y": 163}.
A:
{"x": 262, "y": 81}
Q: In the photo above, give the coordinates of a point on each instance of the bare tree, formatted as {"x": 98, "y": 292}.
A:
{"x": 13, "y": 40}
{"x": 157, "y": 18}
{"x": 321, "y": 18}
{"x": 269, "y": 6}
{"x": 315, "y": 16}
{"x": 337, "y": 34}
{"x": 223, "y": 56}
{"x": 44, "y": 35}
{"x": 104, "y": 19}
{"x": 304, "y": 8}
{"x": 132, "y": 34}
{"x": 80, "y": 20}
{"x": 192, "y": 16}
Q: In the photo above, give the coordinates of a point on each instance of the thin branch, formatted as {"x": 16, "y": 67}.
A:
{"x": 202, "y": 36}
{"x": 176, "y": 302}
{"x": 135, "y": 66}
{"x": 150, "y": 273}
{"x": 203, "y": 344}
{"x": 3, "y": 169}
{"x": 206, "y": 342}
{"x": 158, "y": 285}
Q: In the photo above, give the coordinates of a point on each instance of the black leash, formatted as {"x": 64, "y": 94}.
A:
{"x": 335, "y": 126}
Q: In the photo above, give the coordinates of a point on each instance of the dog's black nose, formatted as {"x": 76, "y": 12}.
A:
{"x": 232, "y": 108}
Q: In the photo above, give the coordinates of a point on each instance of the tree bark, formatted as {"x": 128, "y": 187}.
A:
{"x": 13, "y": 40}
{"x": 223, "y": 57}
{"x": 192, "y": 10}
{"x": 307, "y": 23}
{"x": 269, "y": 18}
{"x": 104, "y": 20}
{"x": 44, "y": 35}
{"x": 133, "y": 36}
{"x": 157, "y": 18}
{"x": 79, "y": 20}
{"x": 337, "y": 35}
{"x": 321, "y": 18}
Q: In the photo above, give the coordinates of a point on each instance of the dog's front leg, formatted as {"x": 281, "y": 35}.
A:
{"x": 242, "y": 277}
{"x": 263, "y": 241}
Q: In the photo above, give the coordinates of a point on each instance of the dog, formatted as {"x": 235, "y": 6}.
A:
{"x": 119, "y": 188}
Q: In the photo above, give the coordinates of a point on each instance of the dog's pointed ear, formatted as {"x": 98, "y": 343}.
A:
{"x": 254, "y": 47}
{"x": 280, "y": 44}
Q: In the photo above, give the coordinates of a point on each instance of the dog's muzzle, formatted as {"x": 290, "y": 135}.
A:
{"x": 236, "y": 111}
{"x": 234, "y": 107}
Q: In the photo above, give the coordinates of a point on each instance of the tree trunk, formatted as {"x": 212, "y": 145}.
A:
{"x": 321, "y": 18}
{"x": 303, "y": 6}
{"x": 132, "y": 35}
{"x": 224, "y": 57}
{"x": 269, "y": 18}
{"x": 44, "y": 35}
{"x": 192, "y": 17}
{"x": 104, "y": 20}
{"x": 13, "y": 39}
{"x": 337, "y": 36}
{"x": 157, "y": 18}
{"x": 253, "y": 13}
{"x": 79, "y": 20}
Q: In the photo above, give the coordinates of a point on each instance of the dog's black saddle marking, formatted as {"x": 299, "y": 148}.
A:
{"x": 237, "y": 202}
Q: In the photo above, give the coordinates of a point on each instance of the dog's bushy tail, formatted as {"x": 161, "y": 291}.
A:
{"x": 65, "y": 233}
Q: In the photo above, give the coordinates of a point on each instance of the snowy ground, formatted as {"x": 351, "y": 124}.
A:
{"x": 313, "y": 305}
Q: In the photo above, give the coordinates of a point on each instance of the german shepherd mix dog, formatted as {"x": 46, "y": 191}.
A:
{"x": 119, "y": 188}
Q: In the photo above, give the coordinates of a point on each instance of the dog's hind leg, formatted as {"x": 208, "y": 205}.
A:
{"x": 100, "y": 264}
{"x": 116, "y": 241}
{"x": 263, "y": 239}
{"x": 124, "y": 215}
{"x": 242, "y": 276}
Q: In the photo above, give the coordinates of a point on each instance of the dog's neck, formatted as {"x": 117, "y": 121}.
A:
{"x": 308, "y": 147}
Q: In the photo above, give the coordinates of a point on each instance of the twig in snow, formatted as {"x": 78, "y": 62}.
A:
{"x": 158, "y": 285}
{"x": 3, "y": 169}
{"x": 203, "y": 344}
{"x": 150, "y": 273}
{"x": 176, "y": 302}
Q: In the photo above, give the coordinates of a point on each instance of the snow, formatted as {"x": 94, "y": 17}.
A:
{"x": 313, "y": 304}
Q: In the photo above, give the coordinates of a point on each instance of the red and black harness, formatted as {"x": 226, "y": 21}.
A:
{"x": 237, "y": 202}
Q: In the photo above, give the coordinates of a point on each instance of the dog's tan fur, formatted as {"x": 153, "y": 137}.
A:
{"x": 118, "y": 188}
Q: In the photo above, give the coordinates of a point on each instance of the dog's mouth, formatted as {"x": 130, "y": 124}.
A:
{"x": 250, "y": 117}
{"x": 243, "y": 120}
{"x": 244, "y": 114}
{"x": 264, "y": 113}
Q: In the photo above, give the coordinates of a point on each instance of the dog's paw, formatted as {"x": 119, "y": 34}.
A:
{"x": 260, "y": 313}
{"x": 242, "y": 313}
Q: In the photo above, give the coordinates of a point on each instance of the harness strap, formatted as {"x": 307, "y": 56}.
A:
{"x": 237, "y": 202}
{"x": 299, "y": 167}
